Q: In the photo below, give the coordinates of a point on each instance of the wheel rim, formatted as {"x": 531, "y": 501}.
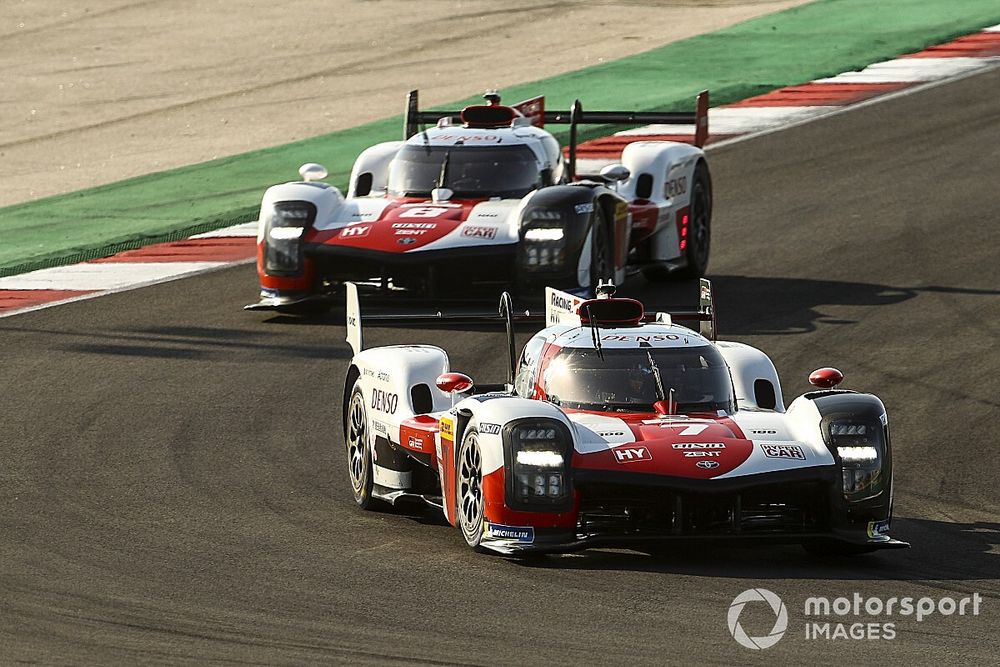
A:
{"x": 470, "y": 490}
{"x": 699, "y": 226}
{"x": 357, "y": 441}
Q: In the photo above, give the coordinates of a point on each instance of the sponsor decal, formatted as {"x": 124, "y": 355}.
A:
{"x": 368, "y": 372}
{"x": 675, "y": 187}
{"x": 380, "y": 427}
{"x": 414, "y": 225}
{"x": 632, "y": 454}
{"x": 564, "y": 303}
{"x": 783, "y": 452}
{"x": 355, "y": 231}
{"x": 409, "y": 232}
{"x": 414, "y": 443}
{"x": 525, "y": 534}
{"x": 763, "y": 431}
{"x": 383, "y": 376}
{"x": 384, "y": 401}
{"x": 467, "y": 137}
{"x": 447, "y": 429}
{"x": 656, "y": 338}
{"x": 695, "y": 455}
{"x": 406, "y": 240}
{"x": 610, "y": 434}
{"x": 698, "y": 445}
{"x": 707, "y": 465}
{"x": 491, "y": 429}
{"x": 479, "y": 232}
{"x": 878, "y": 528}
{"x": 587, "y": 207}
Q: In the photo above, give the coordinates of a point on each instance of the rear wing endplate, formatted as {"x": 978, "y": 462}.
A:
{"x": 575, "y": 116}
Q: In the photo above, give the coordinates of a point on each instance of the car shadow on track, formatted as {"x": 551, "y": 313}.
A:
{"x": 940, "y": 551}
{"x": 187, "y": 343}
{"x": 745, "y": 305}
{"x": 748, "y": 305}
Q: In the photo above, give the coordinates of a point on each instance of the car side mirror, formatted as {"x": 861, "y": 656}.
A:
{"x": 311, "y": 171}
{"x": 826, "y": 378}
{"x": 615, "y": 173}
{"x": 453, "y": 383}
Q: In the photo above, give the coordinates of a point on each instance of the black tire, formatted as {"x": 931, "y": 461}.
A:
{"x": 602, "y": 249}
{"x": 470, "y": 504}
{"x": 359, "y": 454}
{"x": 699, "y": 233}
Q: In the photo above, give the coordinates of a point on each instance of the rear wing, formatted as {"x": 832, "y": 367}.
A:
{"x": 560, "y": 308}
{"x": 534, "y": 109}
{"x": 564, "y": 308}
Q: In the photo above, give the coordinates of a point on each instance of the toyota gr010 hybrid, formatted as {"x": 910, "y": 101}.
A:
{"x": 617, "y": 427}
{"x": 486, "y": 198}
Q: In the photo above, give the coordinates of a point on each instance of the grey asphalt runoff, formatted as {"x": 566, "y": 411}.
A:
{"x": 173, "y": 473}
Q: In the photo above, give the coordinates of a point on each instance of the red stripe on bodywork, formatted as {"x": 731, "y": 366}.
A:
{"x": 221, "y": 249}
{"x": 497, "y": 512}
{"x": 25, "y": 298}
{"x": 417, "y": 435}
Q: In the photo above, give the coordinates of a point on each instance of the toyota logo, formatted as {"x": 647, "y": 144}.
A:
{"x": 707, "y": 465}
{"x": 406, "y": 240}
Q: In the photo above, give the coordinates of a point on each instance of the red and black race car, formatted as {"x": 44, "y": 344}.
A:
{"x": 486, "y": 198}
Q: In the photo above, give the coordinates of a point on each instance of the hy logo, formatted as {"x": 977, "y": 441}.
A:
{"x": 780, "y": 618}
{"x": 630, "y": 454}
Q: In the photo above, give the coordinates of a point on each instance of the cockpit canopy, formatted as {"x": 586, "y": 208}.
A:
{"x": 625, "y": 380}
{"x": 473, "y": 172}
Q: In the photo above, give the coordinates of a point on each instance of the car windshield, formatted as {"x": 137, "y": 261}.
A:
{"x": 625, "y": 381}
{"x": 472, "y": 171}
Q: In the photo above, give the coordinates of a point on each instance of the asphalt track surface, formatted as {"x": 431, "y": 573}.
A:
{"x": 173, "y": 480}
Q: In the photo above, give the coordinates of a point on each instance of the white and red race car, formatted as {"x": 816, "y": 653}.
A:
{"x": 486, "y": 198}
{"x": 618, "y": 427}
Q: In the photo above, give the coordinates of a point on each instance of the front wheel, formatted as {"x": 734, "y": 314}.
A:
{"x": 469, "y": 489}
{"x": 359, "y": 454}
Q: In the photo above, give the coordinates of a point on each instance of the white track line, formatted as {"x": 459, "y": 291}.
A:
{"x": 103, "y": 276}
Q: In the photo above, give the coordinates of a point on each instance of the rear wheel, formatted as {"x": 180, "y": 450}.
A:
{"x": 699, "y": 237}
{"x": 469, "y": 488}
{"x": 602, "y": 260}
{"x": 359, "y": 454}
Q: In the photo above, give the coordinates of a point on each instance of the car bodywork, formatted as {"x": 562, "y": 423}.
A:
{"x": 487, "y": 198}
{"x": 708, "y": 450}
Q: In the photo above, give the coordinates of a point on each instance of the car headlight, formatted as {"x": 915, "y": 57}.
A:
{"x": 544, "y": 238}
{"x": 859, "y": 448}
{"x": 284, "y": 227}
{"x": 539, "y": 453}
